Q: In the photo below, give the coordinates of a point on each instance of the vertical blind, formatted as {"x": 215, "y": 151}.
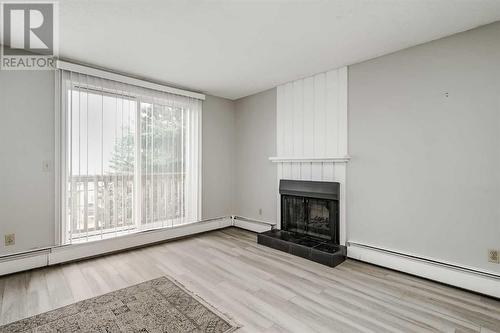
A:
{"x": 130, "y": 159}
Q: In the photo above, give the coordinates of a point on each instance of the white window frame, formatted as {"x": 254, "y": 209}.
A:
{"x": 60, "y": 166}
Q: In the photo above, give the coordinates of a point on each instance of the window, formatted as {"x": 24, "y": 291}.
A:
{"x": 130, "y": 158}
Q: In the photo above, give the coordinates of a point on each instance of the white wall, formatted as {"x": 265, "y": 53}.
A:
{"x": 26, "y": 140}
{"x": 255, "y": 133}
{"x": 424, "y": 178}
{"x": 218, "y": 166}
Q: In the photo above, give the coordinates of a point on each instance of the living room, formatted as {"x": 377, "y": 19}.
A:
{"x": 270, "y": 166}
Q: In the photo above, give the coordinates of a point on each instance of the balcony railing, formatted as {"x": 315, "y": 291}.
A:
{"x": 99, "y": 204}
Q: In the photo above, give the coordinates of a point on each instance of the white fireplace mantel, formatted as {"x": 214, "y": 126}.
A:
{"x": 335, "y": 159}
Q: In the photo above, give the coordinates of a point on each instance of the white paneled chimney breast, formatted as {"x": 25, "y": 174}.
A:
{"x": 312, "y": 133}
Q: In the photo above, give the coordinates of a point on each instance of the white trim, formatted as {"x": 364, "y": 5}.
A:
{"x": 249, "y": 219}
{"x": 252, "y": 224}
{"x": 481, "y": 282}
{"x": 23, "y": 262}
{"x": 18, "y": 262}
{"x": 336, "y": 159}
{"x": 90, "y": 249}
{"x": 125, "y": 79}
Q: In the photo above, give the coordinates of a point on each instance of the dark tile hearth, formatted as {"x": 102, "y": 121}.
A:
{"x": 315, "y": 249}
{"x": 310, "y": 226}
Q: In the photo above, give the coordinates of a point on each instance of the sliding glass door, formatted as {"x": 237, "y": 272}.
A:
{"x": 131, "y": 159}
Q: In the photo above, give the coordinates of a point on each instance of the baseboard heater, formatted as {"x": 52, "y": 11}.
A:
{"x": 482, "y": 282}
{"x": 22, "y": 261}
{"x": 252, "y": 224}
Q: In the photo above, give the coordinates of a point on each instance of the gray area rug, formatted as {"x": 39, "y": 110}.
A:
{"x": 160, "y": 305}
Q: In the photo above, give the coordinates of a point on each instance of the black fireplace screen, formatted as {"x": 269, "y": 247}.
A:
{"x": 310, "y": 216}
{"x": 310, "y": 208}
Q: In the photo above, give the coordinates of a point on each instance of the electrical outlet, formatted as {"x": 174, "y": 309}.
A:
{"x": 10, "y": 239}
{"x": 493, "y": 256}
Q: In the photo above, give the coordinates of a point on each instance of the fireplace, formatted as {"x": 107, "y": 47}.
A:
{"x": 309, "y": 222}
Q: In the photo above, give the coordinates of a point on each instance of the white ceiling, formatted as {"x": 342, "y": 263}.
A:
{"x": 236, "y": 48}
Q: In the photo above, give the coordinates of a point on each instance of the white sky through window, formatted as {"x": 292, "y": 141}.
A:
{"x": 99, "y": 122}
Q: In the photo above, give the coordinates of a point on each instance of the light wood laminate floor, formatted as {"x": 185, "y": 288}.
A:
{"x": 261, "y": 289}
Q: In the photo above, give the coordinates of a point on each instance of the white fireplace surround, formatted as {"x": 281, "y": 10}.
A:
{"x": 312, "y": 133}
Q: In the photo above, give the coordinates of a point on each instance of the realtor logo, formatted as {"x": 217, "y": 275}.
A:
{"x": 28, "y": 31}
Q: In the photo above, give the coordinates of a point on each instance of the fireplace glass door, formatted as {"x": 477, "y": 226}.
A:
{"x": 294, "y": 216}
{"x": 319, "y": 223}
{"x": 310, "y": 216}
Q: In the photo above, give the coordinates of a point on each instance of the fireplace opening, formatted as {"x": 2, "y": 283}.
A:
{"x": 310, "y": 208}
{"x": 309, "y": 216}
{"x": 309, "y": 222}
